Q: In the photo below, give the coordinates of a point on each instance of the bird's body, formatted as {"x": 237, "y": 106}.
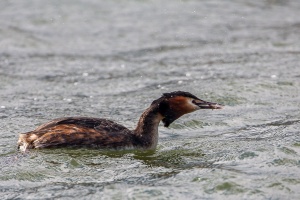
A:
{"x": 103, "y": 133}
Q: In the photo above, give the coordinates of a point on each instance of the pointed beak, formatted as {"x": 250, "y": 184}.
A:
{"x": 207, "y": 105}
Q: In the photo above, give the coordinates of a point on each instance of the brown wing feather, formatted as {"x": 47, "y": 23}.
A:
{"x": 87, "y": 122}
{"x": 79, "y": 131}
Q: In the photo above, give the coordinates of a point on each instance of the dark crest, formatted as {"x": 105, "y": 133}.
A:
{"x": 173, "y": 94}
{"x": 179, "y": 93}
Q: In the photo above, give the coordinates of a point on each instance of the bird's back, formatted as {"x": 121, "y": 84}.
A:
{"x": 77, "y": 131}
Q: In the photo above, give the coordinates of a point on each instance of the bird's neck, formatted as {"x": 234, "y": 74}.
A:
{"x": 147, "y": 128}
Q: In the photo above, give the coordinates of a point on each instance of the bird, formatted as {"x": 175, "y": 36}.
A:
{"x": 102, "y": 133}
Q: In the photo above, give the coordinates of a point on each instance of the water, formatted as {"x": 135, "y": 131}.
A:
{"x": 111, "y": 59}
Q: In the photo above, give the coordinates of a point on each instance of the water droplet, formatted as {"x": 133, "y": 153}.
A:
{"x": 85, "y": 74}
{"x": 180, "y": 82}
{"x": 2, "y": 107}
{"x": 68, "y": 100}
{"x": 188, "y": 74}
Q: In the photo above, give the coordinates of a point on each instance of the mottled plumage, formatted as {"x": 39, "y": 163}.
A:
{"x": 103, "y": 133}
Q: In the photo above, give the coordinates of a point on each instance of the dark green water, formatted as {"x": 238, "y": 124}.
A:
{"x": 112, "y": 59}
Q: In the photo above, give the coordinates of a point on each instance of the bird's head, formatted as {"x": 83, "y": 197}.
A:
{"x": 175, "y": 104}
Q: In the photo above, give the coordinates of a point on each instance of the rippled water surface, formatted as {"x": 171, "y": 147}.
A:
{"x": 113, "y": 58}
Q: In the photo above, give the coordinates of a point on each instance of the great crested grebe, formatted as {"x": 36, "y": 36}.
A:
{"x": 103, "y": 133}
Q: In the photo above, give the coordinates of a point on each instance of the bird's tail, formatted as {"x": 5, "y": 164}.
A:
{"x": 26, "y": 141}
